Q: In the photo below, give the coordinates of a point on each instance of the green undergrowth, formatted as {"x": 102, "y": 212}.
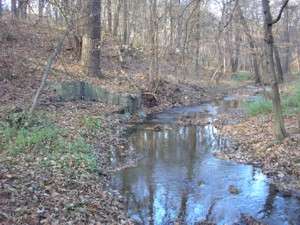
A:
{"x": 241, "y": 76}
{"x": 48, "y": 144}
{"x": 290, "y": 103}
{"x": 258, "y": 106}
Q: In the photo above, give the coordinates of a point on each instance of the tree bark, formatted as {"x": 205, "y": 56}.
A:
{"x": 47, "y": 70}
{"x": 90, "y": 54}
{"x": 1, "y": 9}
{"x": 41, "y": 8}
{"x": 23, "y": 8}
{"x": 109, "y": 17}
{"x": 278, "y": 126}
{"x": 286, "y": 52}
{"x": 234, "y": 60}
{"x": 125, "y": 22}
{"x": 179, "y": 26}
{"x": 117, "y": 18}
{"x": 172, "y": 24}
{"x": 197, "y": 54}
{"x": 14, "y": 8}
{"x": 153, "y": 41}
{"x": 251, "y": 44}
{"x": 278, "y": 65}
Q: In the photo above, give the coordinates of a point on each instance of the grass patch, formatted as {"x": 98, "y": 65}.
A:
{"x": 241, "y": 76}
{"x": 295, "y": 74}
{"x": 290, "y": 103}
{"x": 44, "y": 141}
{"x": 258, "y": 106}
{"x": 91, "y": 124}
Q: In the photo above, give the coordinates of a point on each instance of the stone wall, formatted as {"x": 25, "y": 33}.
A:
{"x": 80, "y": 90}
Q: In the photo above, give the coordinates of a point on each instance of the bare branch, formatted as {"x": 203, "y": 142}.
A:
{"x": 47, "y": 70}
{"x": 280, "y": 12}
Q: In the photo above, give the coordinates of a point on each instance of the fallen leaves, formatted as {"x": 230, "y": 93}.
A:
{"x": 254, "y": 143}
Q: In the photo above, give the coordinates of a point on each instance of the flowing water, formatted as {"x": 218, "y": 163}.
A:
{"x": 180, "y": 180}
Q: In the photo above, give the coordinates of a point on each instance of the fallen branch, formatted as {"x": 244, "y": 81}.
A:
{"x": 47, "y": 70}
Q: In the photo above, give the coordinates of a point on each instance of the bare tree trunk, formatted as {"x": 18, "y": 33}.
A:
{"x": 255, "y": 64}
{"x": 41, "y": 8}
{"x": 251, "y": 44}
{"x": 278, "y": 65}
{"x": 117, "y": 18}
{"x": 47, "y": 70}
{"x": 171, "y": 24}
{"x": 153, "y": 41}
{"x": 56, "y": 15}
{"x": 109, "y": 16}
{"x": 197, "y": 54}
{"x": 125, "y": 22}
{"x": 179, "y": 26}
{"x": 90, "y": 54}
{"x": 298, "y": 57}
{"x": 14, "y": 8}
{"x": 286, "y": 52}
{"x": 1, "y": 8}
{"x": 236, "y": 55}
{"x": 279, "y": 128}
{"x": 22, "y": 8}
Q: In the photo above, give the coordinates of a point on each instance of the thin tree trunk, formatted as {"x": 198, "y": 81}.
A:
{"x": 286, "y": 52}
{"x": 153, "y": 41}
{"x": 22, "y": 8}
{"x": 171, "y": 24}
{"x": 125, "y": 22}
{"x": 251, "y": 44}
{"x": 236, "y": 56}
{"x": 47, "y": 70}
{"x": 1, "y": 8}
{"x": 179, "y": 27}
{"x": 298, "y": 57}
{"x": 109, "y": 16}
{"x": 14, "y": 8}
{"x": 41, "y": 8}
{"x": 117, "y": 18}
{"x": 278, "y": 65}
{"x": 197, "y": 54}
{"x": 279, "y": 128}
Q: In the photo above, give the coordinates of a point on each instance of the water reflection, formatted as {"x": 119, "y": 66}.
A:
{"x": 179, "y": 180}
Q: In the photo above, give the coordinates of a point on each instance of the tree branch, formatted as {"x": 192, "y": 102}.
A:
{"x": 280, "y": 12}
{"x": 47, "y": 70}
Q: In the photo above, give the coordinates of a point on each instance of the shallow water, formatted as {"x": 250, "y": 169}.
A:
{"x": 179, "y": 179}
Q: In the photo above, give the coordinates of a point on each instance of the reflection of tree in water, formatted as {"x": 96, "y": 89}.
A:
{"x": 269, "y": 204}
{"x": 139, "y": 205}
{"x": 191, "y": 144}
{"x": 152, "y": 149}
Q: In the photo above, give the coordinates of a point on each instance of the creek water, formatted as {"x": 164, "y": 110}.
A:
{"x": 180, "y": 181}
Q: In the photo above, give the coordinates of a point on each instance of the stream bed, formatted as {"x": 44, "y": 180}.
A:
{"x": 180, "y": 181}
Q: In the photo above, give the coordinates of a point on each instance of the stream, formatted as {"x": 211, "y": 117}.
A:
{"x": 180, "y": 181}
